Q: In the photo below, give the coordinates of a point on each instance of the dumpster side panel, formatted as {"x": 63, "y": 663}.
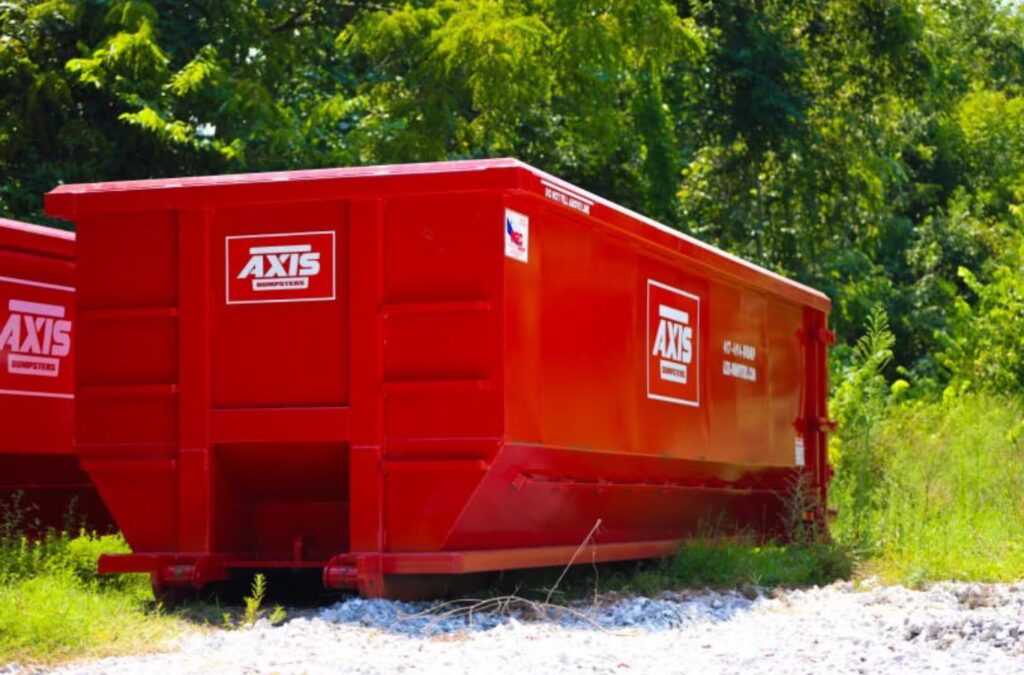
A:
{"x": 647, "y": 394}
{"x": 127, "y": 390}
{"x": 442, "y": 369}
{"x": 280, "y": 317}
{"x": 583, "y": 336}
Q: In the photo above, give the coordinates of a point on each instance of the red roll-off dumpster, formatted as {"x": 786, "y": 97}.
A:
{"x": 390, "y": 372}
{"x": 41, "y": 483}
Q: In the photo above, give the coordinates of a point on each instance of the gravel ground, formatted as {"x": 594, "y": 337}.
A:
{"x": 954, "y": 628}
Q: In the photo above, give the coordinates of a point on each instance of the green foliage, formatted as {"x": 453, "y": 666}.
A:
{"x": 710, "y": 561}
{"x": 52, "y": 618}
{"x": 984, "y": 348}
{"x": 63, "y": 555}
{"x": 54, "y": 606}
{"x": 870, "y": 149}
{"x": 732, "y": 564}
{"x": 255, "y": 599}
{"x": 859, "y": 406}
{"x": 989, "y": 130}
{"x": 577, "y": 87}
{"x": 157, "y": 87}
{"x": 949, "y": 498}
{"x": 934, "y": 489}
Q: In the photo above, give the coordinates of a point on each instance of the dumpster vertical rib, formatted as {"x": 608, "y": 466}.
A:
{"x": 817, "y": 423}
{"x": 194, "y": 486}
{"x": 366, "y": 492}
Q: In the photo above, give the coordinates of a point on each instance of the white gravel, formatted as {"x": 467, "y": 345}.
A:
{"x": 950, "y": 628}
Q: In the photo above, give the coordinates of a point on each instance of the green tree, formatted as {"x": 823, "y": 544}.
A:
{"x": 576, "y": 87}
{"x": 984, "y": 348}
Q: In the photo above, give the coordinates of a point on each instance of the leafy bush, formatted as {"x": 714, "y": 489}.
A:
{"x": 60, "y": 554}
{"x": 984, "y": 347}
{"x": 859, "y": 405}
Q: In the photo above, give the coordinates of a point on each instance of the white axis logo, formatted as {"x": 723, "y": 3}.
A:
{"x": 674, "y": 344}
{"x": 38, "y": 336}
{"x": 276, "y": 268}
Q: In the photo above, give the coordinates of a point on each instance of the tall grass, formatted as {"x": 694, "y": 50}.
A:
{"x": 949, "y": 498}
{"x": 926, "y": 489}
{"x": 53, "y": 605}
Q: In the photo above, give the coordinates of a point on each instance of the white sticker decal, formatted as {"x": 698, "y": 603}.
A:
{"x": 36, "y": 332}
{"x": 738, "y": 369}
{"x": 799, "y": 452}
{"x": 517, "y": 236}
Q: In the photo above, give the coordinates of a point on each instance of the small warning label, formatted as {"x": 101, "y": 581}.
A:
{"x": 517, "y": 236}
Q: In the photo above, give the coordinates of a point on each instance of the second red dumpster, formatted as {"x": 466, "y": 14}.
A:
{"x": 41, "y": 484}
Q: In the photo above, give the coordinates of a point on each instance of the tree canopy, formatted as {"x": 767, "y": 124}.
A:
{"x": 871, "y": 148}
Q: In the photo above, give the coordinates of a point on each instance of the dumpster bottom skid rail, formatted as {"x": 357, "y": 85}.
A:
{"x": 398, "y": 576}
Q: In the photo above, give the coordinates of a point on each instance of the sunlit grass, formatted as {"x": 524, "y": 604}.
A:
{"x": 53, "y": 606}
{"x": 949, "y": 499}
{"x": 729, "y": 563}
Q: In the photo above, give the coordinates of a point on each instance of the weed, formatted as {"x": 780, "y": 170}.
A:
{"x": 803, "y": 514}
{"x": 730, "y": 563}
{"x": 253, "y": 611}
{"x": 255, "y": 600}
{"x": 277, "y": 615}
{"x": 706, "y": 561}
{"x": 861, "y": 405}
